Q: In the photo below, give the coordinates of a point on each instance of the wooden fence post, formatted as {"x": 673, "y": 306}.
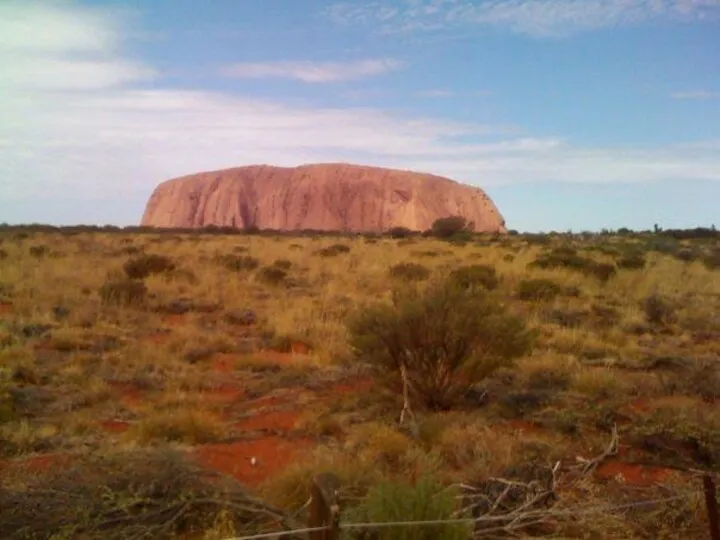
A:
{"x": 712, "y": 506}
{"x": 324, "y": 507}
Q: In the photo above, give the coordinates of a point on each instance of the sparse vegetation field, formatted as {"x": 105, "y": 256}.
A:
{"x": 178, "y": 384}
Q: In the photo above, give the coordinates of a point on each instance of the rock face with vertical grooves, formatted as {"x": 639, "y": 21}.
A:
{"x": 323, "y": 197}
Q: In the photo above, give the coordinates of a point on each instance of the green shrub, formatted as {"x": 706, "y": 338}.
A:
{"x": 123, "y": 292}
{"x": 272, "y": 275}
{"x": 475, "y": 275}
{"x": 334, "y": 250}
{"x": 448, "y": 227}
{"x": 538, "y": 289}
{"x": 447, "y": 337}
{"x": 409, "y": 271}
{"x": 401, "y": 232}
{"x": 567, "y": 257}
{"x": 143, "y": 266}
{"x": 428, "y": 499}
{"x": 238, "y": 263}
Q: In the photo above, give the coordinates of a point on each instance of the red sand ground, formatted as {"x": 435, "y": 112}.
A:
{"x": 115, "y": 426}
{"x": 129, "y": 395}
{"x": 632, "y": 474}
{"x": 273, "y": 454}
{"x": 6, "y": 308}
{"x": 275, "y": 420}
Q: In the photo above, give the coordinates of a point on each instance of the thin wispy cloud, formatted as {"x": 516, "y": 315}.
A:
{"x": 538, "y": 18}
{"x": 313, "y": 72}
{"x": 696, "y": 95}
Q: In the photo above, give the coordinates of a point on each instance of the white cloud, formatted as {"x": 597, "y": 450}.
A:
{"x": 313, "y": 72}
{"x": 110, "y": 140}
{"x": 539, "y": 18}
{"x": 696, "y": 95}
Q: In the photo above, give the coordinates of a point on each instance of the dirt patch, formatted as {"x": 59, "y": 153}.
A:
{"x": 272, "y": 455}
{"x": 649, "y": 405}
{"x": 6, "y": 309}
{"x": 275, "y": 420}
{"x": 129, "y": 394}
{"x": 174, "y": 320}
{"x": 633, "y": 474}
{"x": 224, "y": 393}
{"x": 224, "y": 363}
{"x": 114, "y": 426}
{"x": 356, "y": 387}
{"x": 41, "y": 463}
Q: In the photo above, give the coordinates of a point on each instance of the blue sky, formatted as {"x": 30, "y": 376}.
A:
{"x": 572, "y": 114}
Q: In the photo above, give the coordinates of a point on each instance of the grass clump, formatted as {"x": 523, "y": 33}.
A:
{"x": 186, "y": 426}
{"x": 142, "y": 266}
{"x": 659, "y": 310}
{"x": 446, "y": 338}
{"x": 567, "y": 257}
{"x": 538, "y": 289}
{"x": 334, "y": 250}
{"x": 475, "y": 275}
{"x": 398, "y": 500}
{"x": 409, "y": 271}
{"x": 123, "y": 292}
{"x": 273, "y": 275}
{"x": 238, "y": 263}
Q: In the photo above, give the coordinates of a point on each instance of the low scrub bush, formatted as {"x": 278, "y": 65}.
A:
{"x": 475, "y": 275}
{"x": 566, "y": 257}
{"x": 334, "y": 250}
{"x": 409, "y": 271}
{"x": 428, "y": 499}
{"x": 272, "y": 275}
{"x": 538, "y": 289}
{"x": 124, "y": 292}
{"x": 142, "y": 266}
{"x": 632, "y": 261}
{"x": 659, "y": 310}
{"x": 238, "y": 263}
{"x": 448, "y": 227}
{"x": 446, "y": 338}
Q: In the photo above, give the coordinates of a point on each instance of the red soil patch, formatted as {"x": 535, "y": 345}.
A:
{"x": 37, "y": 463}
{"x": 225, "y": 392}
{"x": 6, "y": 308}
{"x": 224, "y": 363}
{"x": 280, "y": 358}
{"x": 130, "y": 395}
{"x": 649, "y": 405}
{"x": 174, "y": 320}
{"x": 361, "y": 385}
{"x": 159, "y": 338}
{"x": 273, "y": 454}
{"x": 518, "y": 424}
{"x": 632, "y": 474}
{"x": 300, "y": 347}
{"x": 275, "y": 420}
{"x": 115, "y": 426}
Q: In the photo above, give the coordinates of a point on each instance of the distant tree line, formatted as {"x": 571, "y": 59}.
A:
{"x": 453, "y": 228}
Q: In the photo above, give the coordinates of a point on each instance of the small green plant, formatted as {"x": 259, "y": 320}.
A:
{"x": 538, "y": 289}
{"x": 475, "y": 275}
{"x": 428, "y": 499}
{"x": 142, "y": 266}
{"x": 125, "y": 292}
{"x": 409, "y": 271}
{"x": 445, "y": 340}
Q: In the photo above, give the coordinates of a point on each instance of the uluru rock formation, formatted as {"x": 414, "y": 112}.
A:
{"x": 323, "y": 197}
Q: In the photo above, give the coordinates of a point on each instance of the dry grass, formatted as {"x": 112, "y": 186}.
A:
{"x": 177, "y": 368}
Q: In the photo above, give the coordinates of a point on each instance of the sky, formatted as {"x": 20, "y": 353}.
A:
{"x": 571, "y": 114}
